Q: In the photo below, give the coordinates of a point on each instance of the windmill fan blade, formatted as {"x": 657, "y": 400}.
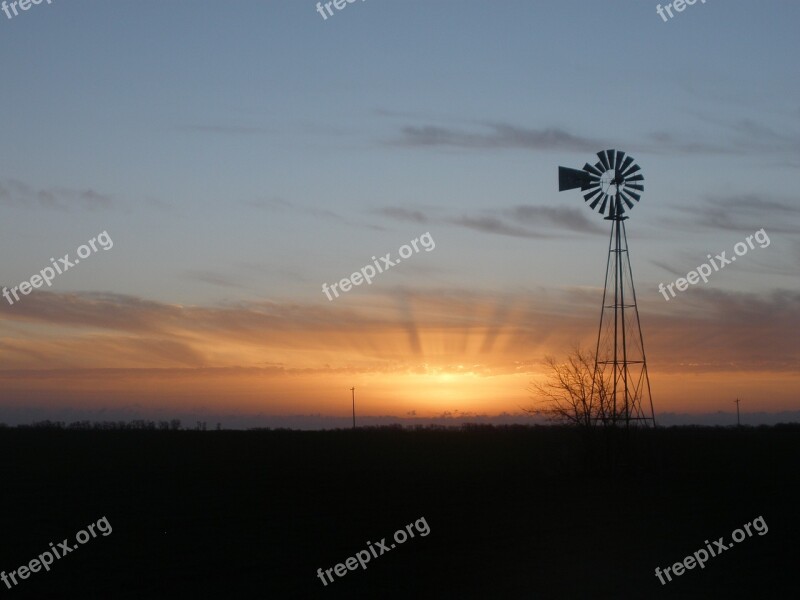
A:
{"x": 626, "y": 163}
{"x": 626, "y": 199}
{"x": 603, "y": 160}
{"x": 592, "y": 194}
{"x": 612, "y": 158}
{"x": 595, "y": 201}
{"x": 633, "y": 195}
{"x": 569, "y": 179}
{"x": 594, "y": 170}
{"x": 631, "y": 171}
{"x": 635, "y": 186}
{"x": 620, "y": 156}
{"x": 603, "y": 205}
{"x": 638, "y": 177}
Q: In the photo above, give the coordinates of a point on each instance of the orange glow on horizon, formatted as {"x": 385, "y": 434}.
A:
{"x": 448, "y": 355}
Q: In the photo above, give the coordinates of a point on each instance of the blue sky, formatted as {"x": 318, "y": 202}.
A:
{"x": 247, "y": 152}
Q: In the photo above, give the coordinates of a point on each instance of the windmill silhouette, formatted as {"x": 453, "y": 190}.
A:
{"x": 353, "y": 391}
{"x": 610, "y": 185}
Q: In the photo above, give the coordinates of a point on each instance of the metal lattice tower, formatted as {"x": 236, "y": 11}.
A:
{"x": 613, "y": 183}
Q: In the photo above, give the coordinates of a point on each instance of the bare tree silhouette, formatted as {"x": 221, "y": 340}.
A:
{"x": 573, "y": 393}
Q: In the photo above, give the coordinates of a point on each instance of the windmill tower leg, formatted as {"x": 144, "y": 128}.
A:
{"x": 645, "y": 388}
{"x": 620, "y": 360}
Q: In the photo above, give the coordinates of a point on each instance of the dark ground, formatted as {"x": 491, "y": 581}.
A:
{"x": 513, "y": 512}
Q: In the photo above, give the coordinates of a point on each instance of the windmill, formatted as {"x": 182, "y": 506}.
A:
{"x": 353, "y": 390}
{"x": 609, "y": 186}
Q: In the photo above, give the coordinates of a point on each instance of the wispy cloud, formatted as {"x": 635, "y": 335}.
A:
{"x": 754, "y": 204}
{"x": 281, "y": 205}
{"x": 732, "y": 137}
{"x": 524, "y": 221}
{"x": 496, "y": 135}
{"x": 754, "y": 136}
{"x": 228, "y": 129}
{"x": 403, "y": 214}
{"x": 743, "y": 136}
{"x": 213, "y": 278}
{"x": 570, "y": 219}
{"x": 17, "y": 193}
{"x": 668, "y": 268}
{"x": 715, "y": 329}
{"x": 676, "y": 143}
{"x": 741, "y": 213}
{"x": 491, "y": 135}
{"x": 721, "y": 330}
{"x": 489, "y": 224}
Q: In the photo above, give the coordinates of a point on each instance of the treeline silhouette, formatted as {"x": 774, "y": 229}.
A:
{"x": 136, "y": 424}
{"x": 176, "y": 425}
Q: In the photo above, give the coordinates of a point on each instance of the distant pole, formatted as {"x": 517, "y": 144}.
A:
{"x": 738, "y": 421}
{"x": 353, "y": 390}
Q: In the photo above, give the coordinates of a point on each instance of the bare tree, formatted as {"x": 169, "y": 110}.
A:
{"x": 573, "y": 393}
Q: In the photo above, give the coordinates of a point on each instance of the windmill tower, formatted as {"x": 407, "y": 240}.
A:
{"x": 610, "y": 185}
{"x": 353, "y": 391}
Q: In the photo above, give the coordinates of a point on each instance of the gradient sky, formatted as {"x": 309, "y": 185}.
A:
{"x": 240, "y": 155}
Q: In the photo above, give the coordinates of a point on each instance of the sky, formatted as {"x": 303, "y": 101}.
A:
{"x": 241, "y": 156}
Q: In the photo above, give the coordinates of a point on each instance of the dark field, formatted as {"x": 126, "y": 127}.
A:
{"x": 513, "y": 512}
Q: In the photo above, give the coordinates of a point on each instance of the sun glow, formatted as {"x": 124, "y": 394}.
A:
{"x": 433, "y": 390}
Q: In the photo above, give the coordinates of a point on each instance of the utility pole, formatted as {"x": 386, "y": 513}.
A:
{"x": 353, "y": 390}
{"x": 738, "y": 421}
